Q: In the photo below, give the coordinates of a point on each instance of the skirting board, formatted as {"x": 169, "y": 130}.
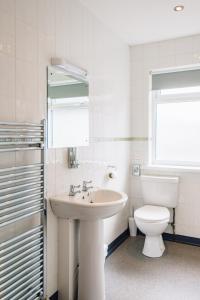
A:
{"x": 177, "y": 238}
{"x": 54, "y": 296}
{"x": 118, "y": 241}
{"x": 111, "y": 248}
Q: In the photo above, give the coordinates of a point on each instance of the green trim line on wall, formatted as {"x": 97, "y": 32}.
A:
{"x": 118, "y": 139}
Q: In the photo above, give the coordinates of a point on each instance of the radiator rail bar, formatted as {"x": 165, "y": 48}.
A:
{"x": 22, "y": 195}
{"x": 22, "y": 266}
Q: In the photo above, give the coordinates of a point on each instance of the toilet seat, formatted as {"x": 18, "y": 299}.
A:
{"x": 152, "y": 214}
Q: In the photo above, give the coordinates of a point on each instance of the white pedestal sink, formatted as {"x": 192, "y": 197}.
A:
{"x": 90, "y": 209}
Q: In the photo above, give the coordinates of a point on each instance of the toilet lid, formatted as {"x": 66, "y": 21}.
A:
{"x": 150, "y": 213}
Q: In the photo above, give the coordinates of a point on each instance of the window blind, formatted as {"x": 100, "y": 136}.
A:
{"x": 178, "y": 79}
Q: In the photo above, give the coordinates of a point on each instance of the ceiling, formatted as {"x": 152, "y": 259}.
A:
{"x": 144, "y": 21}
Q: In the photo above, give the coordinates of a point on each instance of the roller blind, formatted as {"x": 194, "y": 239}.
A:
{"x": 179, "y": 79}
{"x": 68, "y": 91}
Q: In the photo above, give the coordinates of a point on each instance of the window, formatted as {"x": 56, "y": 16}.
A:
{"x": 175, "y": 119}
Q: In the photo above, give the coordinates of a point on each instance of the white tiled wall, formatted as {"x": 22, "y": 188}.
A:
{"x": 144, "y": 58}
{"x": 33, "y": 31}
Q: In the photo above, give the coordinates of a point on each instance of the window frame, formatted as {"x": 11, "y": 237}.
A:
{"x": 155, "y": 98}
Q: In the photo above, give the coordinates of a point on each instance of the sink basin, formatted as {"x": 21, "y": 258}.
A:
{"x": 90, "y": 208}
{"x": 98, "y": 204}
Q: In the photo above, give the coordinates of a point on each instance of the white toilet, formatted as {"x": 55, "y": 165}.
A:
{"x": 159, "y": 194}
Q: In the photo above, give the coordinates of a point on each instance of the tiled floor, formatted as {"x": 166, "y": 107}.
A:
{"x": 132, "y": 276}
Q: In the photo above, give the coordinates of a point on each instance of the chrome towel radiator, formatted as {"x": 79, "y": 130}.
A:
{"x": 22, "y": 195}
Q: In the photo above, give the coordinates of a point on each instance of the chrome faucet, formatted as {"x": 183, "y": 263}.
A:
{"x": 85, "y": 188}
{"x": 72, "y": 191}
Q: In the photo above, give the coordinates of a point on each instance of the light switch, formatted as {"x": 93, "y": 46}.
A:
{"x": 136, "y": 169}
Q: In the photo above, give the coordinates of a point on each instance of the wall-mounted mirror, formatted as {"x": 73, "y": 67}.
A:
{"x": 68, "y": 107}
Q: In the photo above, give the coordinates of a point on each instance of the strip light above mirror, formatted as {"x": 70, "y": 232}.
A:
{"x": 62, "y": 63}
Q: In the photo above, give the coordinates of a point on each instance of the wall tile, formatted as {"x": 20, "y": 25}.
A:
{"x": 7, "y": 33}
{"x": 46, "y": 17}
{"x": 140, "y": 118}
{"x": 27, "y": 103}
{"x": 196, "y": 44}
{"x": 167, "y": 48}
{"x": 184, "y": 45}
{"x": 7, "y": 88}
{"x": 27, "y": 12}
{"x": 26, "y": 42}
{"x": 7, "y": 6}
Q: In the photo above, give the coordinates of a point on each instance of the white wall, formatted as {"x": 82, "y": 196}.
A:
{"x": 144, "y": 58}
{"x": 33, "y": 31}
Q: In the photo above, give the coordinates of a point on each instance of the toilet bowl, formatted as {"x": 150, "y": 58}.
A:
{"x": 159, "y": 194}
{"x": 152, "y": 221}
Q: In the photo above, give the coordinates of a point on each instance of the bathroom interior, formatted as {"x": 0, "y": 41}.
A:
{"x": 99, "y": 150}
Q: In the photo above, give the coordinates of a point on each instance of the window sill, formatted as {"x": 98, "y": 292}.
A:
{"x": 174, "y": 169}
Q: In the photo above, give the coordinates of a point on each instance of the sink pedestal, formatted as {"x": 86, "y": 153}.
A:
{"x": 91, "y": 211}
{"x": 91, "y": 259}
